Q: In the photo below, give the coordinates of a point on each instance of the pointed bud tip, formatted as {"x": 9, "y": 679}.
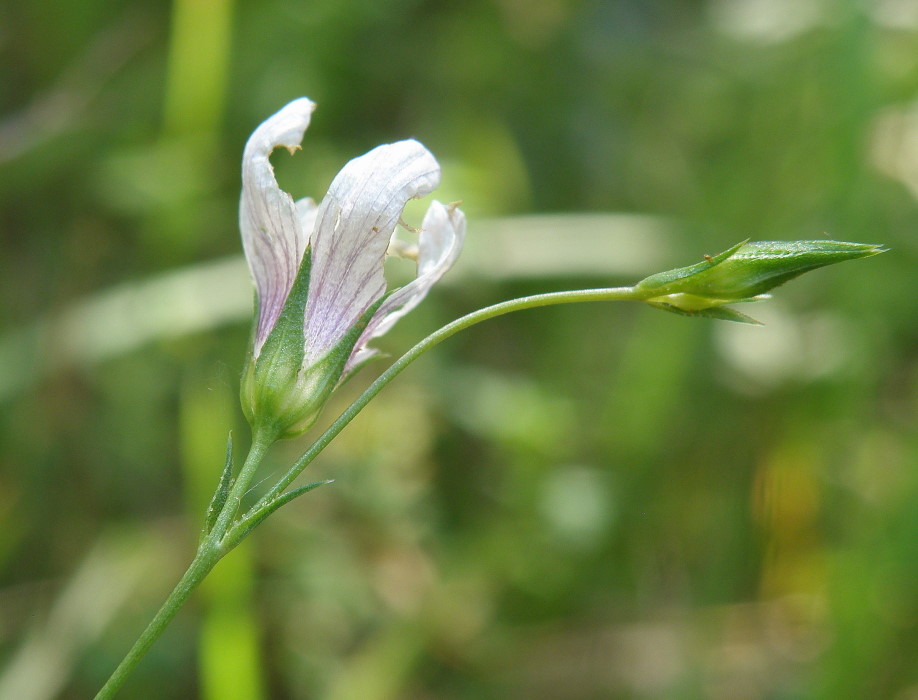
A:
{"x": 821, "y": 246}
{"x": 874, "y": 248}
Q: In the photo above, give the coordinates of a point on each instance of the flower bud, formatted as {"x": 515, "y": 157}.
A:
{"x": 745, "y": 272}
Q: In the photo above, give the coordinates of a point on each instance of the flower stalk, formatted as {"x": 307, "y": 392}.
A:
{"x": 435, "y": 338}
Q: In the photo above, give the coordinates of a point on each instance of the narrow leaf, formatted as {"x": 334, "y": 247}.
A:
{"x": 218, "y": 500}
{"x": 269, "y": 508}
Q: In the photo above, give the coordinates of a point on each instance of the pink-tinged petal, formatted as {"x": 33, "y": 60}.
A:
{"x": 306, "y": 212}
{"x": 355, "y": 222}
{"x": 273, "y": 236}
{"x": 442, "y": 235}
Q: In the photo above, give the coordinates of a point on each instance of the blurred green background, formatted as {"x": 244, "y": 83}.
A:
{"x": 596, "y": 501}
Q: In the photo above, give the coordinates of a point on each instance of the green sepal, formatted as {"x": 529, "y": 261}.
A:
{"x": 284, "y": 344}
{"x": 722, "y": 313}
{"x": 281, "y": 396}
{"x": 218, "y": 500}
{"x": 270, "y": 507}
{"x": 662, "y": 280}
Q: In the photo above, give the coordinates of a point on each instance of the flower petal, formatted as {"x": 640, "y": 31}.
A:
{"x": 354, "y": 224}
{"x": 273, "y": 236}
{"x": 442, "y": 235}
{"x": 306, "y": 212}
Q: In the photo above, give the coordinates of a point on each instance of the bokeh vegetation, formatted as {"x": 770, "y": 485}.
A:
{"x": 576, "y": 502}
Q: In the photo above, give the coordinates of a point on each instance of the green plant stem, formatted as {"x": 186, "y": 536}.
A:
{"x": 261, "y": 441}
{"x": 229, "y": 531}
{"x": 242, "y": 527}
{"x": 199, "y": 568}
{"x": 211, "y": 550}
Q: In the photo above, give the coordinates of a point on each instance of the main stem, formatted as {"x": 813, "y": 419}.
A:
{"x": 210, "y": 551}
{"x": 199, "y": 568}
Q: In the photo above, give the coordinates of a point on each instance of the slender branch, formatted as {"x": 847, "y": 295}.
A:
{"x": 569, "y": 297}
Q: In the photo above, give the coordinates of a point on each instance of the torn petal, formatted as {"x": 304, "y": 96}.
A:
{"x": 442, "y": 235}
{"x": 355, "y": 222}
{"x": 273, "y": 234}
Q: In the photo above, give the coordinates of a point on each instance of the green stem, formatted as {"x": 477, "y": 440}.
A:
{"x": 261, "y": 440}
{"x": 213, "y": 548}
{"x": 200, "y": 567}
{"x": 242, "y": 526}
{"x": 229, "y": 531}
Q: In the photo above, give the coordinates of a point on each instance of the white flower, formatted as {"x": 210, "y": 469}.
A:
{"x": 347, "y": 236}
